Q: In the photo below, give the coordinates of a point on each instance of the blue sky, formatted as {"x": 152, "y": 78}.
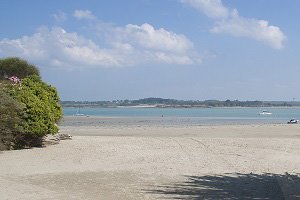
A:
{"x": 182, "y": 49}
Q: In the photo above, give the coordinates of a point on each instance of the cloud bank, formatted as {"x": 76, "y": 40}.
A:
{"x": 128, "y": 45}
{"x": 229, "y": 21}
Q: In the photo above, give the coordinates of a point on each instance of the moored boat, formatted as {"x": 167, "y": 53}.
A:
{"x": 265, "y": 112}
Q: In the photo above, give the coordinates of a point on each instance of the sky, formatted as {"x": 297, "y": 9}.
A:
{"x": 182, "y": 49}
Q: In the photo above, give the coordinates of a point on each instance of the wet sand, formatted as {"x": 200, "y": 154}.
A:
{"x": 158, "y": 162}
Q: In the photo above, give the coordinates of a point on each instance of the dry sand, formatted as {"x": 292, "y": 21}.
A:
{"x": 149, "y": 162}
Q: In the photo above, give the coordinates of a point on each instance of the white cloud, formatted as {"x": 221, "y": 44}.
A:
{"x": 146, "y": 36}
{"x": 127, "y": 46}
{"x": 58, "y": 48}
{"x": 259, "y": 30}
{"x": 60, "y": 16}
{"x": 84, "y": 14}
{"x": 121, "y": 46}
{"x": 158, "y": 45}
{"x": 211, "y": 8}
{"x": 228, "y": 21}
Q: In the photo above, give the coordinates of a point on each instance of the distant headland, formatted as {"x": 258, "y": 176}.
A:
{"x": 173, "y": 103}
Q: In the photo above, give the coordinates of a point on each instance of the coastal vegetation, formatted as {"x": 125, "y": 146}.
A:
{"x": 14, "y": 66}
{"x": 10, "y": 118}
{"x": 29, "y": 107}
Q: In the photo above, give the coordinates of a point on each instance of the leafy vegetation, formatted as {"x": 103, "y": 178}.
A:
{"x": 10, "y": 118}
{"x": 41, "y": 108}
{"x": 35, "y": 105}
{"x": 16, "y": 67}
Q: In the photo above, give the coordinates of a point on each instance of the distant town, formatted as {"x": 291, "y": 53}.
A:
{"x": 173, "y": 103}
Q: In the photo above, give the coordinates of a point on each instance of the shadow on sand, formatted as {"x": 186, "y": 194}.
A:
{"x": 233, "y": 186}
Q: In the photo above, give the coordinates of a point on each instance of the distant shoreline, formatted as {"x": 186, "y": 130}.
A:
{"x": 175, "y": 106}
{"x": 174, "y": 103}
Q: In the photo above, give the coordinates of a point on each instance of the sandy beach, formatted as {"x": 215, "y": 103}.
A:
{"x": 157, "y": 162}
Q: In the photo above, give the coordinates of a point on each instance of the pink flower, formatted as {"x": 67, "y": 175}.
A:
{"x": 14, "y": 79}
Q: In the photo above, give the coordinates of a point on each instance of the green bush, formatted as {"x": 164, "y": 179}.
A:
{"x": 10, "y": 118}
{"x": 16, "y": 67}
{"x": 29, "y": 109}
{"x": 42, "y": 109}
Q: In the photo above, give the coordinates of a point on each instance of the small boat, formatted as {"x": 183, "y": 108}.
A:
{"x": 265, "y": 112}
{"x": 78, "y": 113}
{"x": 293, "y": 121}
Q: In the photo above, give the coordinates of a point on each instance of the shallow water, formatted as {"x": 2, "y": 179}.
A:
{"x": 187, "y": 116}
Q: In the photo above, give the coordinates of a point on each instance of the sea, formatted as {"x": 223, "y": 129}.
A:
{"x": 187, "y": 116}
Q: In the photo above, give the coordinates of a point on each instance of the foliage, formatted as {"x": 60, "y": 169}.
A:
{"x": 10, "y": 118}
{"x": 16, "y": 67}
{"x": 41, "y": 106}
{"x": 29, "y": 107}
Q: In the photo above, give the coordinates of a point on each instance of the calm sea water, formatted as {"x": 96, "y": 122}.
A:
{"x": 195, "y": 115}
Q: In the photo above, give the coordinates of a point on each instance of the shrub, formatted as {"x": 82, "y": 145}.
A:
{"x": 41, "y": 108}
{"x": 10, "y": 118}
{"x": 16, "y": 67}
{"x": 29, "y": 107}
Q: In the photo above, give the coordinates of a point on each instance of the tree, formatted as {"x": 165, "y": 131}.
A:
{"x": 29, "y": 107}
{"x": 42, "y": 109}
{"x": 16, "y": 67}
